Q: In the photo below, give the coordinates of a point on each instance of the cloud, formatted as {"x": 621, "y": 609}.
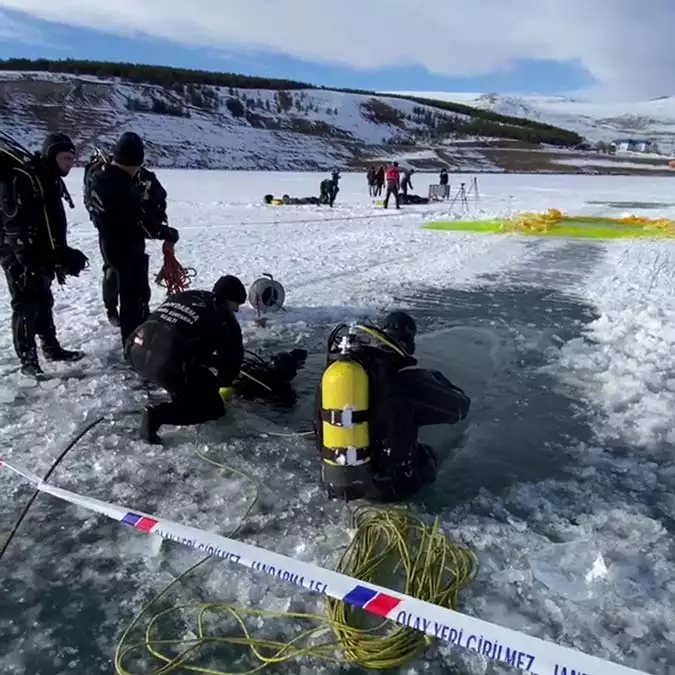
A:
{"x": 625, "y": 45}
{"x": 13, "y": 30}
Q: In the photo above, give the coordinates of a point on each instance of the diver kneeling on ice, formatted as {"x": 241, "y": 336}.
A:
{"x": 176, "y": 346}
{"x": 191, "y": 333}
{"x": 370, "y": 405}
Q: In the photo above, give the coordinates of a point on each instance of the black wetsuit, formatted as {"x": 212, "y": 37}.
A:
{"x": 403, "y": 398}
{"x": 123, "y": 226}
{"x": 33, "y": 250}
{"x": 270, "y": 380}
{"x": 154, "y": 217}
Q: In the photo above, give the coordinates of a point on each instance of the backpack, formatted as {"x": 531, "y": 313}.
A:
{"x": 12, "y": 156}
{"x": 92, "y": 168}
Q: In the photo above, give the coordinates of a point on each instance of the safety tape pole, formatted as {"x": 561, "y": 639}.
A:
{"x": 523, "y": 652}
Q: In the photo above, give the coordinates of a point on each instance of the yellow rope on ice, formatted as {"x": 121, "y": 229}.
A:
{"x": 390, "y": 547}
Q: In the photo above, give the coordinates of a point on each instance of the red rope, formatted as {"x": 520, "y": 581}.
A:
{"x": 173, "y": 276}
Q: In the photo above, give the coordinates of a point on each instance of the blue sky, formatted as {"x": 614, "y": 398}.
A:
{"x": 59, "y": 41}
{"x": 620, "y": 49}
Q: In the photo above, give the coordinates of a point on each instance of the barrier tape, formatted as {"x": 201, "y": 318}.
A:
{"x": 504, "y": 645}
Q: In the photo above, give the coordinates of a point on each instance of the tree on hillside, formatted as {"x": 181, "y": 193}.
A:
{"x": 236, "y": 107}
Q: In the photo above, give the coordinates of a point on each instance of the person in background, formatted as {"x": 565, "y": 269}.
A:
{"x": 443, "y": 180}
{"x": 393, "y": 179}
{"x": 118, "y": 211}
{"x": 406, "y": 182}
{"x": 34, "y": 250}
{"x": 175, "y": 348}
{"x": 379, "y": 181}
{"x": 371, "y": 180}
{"x": 329, "y": 188}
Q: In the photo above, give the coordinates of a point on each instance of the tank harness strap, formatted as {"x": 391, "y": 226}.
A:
{"x": 330, "y": 455}
{"x": 341, "y": 418}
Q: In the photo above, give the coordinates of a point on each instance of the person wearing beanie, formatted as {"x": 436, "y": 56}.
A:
{"x": 176, "y": 346}
{"x": 154, "y": 214}
{"x": 127, "y": 205}
{"x": 35, "y": 250}
{"x": 129, "y": 151}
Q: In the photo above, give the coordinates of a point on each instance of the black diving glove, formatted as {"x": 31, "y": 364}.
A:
{"x": 72, "y": 262}
{"x": 287, "y": 364}
{"x": 169, "y": 234}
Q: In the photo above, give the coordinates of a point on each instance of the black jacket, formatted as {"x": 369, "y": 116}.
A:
{"x": 118, "y": 209}
{"x": 187, "y": 329}
{"x": 33, "y": 219}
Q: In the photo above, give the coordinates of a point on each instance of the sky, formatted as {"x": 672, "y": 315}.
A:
{"x": 593, "y": 49}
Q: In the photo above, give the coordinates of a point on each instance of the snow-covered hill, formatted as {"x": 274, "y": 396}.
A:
{"x": 193, "y": 124}
{"x": 202, "y": 126}
{"x": 654, "y": 119}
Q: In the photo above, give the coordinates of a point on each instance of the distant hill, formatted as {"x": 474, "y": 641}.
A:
{"x": 220, "y": 120}
{"x": 653, "y": 119}
{"x": 195, "y": 119}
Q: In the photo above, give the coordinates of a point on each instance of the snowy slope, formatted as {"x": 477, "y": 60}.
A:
{"x": 567, "y": 349}
{"x": 653, "y": 119}
{"x": 195, "y": 128}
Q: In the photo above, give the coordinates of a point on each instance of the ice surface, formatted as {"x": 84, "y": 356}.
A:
{"x": 567, "y": 349}
{"x": 573, "y": 569}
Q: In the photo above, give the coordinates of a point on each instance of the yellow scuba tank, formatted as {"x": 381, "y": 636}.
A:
{"x": 346, "y": 454}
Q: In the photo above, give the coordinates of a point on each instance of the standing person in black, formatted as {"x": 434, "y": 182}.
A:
{"x": 34, "y": 249}
{"x": 116, "y": 202}
{"x": 379, "y": 181}
{"x": 154, "y": 216}
{"x": 443, "y": 180}
{"x": 186, "y": 335}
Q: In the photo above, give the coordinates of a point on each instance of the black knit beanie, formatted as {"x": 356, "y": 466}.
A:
{"x": 129, "y": 150}
{"x": 230, "y": 288}
{"x": 56, "y": 143}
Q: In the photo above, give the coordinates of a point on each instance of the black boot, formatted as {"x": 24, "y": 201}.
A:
{"x": 113, "y": 317}
{"x": 23, "y": 330}
{"x": 32, "y": 369}
{"x": 150, "y": 426}
{"x": 55, "y": 352}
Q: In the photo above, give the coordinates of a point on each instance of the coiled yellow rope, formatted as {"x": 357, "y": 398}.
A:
{"x": 390, "y": 547}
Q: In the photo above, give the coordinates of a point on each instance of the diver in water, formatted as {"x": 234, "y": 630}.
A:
{"x": 269, "y": 379}
{"x": 370, "y": 405}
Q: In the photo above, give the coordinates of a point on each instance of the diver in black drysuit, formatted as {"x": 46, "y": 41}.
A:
{"x": 412, "y": 199}
{"x": 34, "y": 250}
{"x": 269, "y": 379}
{"x": 117, "y": 207}
{"x": 154, "y": 216}
{"x": 403, "y": 398}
